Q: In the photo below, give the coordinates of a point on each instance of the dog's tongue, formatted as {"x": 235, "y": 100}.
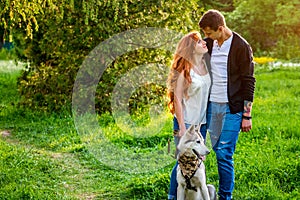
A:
{"x": 202, "y": 157}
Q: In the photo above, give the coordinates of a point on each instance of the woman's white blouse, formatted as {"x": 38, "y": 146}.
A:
{"x": 195, "y": 105}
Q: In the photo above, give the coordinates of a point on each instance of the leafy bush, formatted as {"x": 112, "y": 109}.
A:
{"x": 270, "y": 26}
{"x": 67, "y": 35}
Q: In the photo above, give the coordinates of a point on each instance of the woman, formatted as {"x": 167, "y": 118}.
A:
{"x": 188, "y": 89}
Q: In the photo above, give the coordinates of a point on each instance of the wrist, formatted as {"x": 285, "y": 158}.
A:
{"x": 246, "y": 117}
{"x": 182, "y": 127}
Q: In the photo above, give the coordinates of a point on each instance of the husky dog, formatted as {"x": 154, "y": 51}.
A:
{"x": 191, "y": 176}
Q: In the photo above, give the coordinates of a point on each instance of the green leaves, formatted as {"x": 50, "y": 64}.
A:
{"x": 271, "y": 27}
{"x": 68, "y": 32}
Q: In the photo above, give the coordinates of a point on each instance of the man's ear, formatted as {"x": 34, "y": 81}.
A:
{"x": 220, "y": 28}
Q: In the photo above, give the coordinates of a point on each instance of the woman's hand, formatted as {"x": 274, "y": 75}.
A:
{"x": 181, "y": 132}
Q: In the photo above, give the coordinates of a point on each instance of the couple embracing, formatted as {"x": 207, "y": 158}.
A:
{"x": 211, "y": 85}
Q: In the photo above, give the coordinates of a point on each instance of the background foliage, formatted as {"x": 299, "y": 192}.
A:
{"x": 55, "y": 36}
{"x": 271, "y": 27}
{"x": 44, "y": 156}
{"x": 66, "y": 35}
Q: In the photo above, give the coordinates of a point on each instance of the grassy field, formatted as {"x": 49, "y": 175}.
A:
{"x": 42, "y": 156}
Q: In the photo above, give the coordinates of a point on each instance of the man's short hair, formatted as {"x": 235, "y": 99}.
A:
{"x": 212, "y": 19}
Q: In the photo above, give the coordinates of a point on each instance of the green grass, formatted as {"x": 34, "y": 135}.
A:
{"x": 46, "y": 158}
{"x": 6, "y": 54}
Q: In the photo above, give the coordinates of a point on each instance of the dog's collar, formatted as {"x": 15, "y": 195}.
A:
{"x": 188, "y": 170}
{"x": 188, "y": 178}
{"x": 189, "y": 164}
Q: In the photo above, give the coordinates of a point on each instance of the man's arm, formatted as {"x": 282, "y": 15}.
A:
{"x": 248, "y": 87}
{"x": 247, "y": 118}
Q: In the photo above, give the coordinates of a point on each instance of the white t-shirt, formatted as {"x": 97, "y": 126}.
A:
{"x": 219, "y": 58}
{"x": 194, "y": 107}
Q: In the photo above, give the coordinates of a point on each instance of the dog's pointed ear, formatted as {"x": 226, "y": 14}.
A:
{"x": 197, "y": 128}
{"x": 191, "y": 129}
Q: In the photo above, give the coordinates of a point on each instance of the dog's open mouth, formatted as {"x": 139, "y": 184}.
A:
{"x": 201, "y": 157}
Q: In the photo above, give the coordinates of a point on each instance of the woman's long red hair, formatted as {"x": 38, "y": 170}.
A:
{"x": 182, "y": 61}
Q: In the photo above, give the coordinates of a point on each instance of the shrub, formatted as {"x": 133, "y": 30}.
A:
{"x": 68, "y": 34}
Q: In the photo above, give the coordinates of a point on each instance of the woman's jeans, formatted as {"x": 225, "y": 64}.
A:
{"x": 173, "y": 181}
{"x": 224, "y": 129}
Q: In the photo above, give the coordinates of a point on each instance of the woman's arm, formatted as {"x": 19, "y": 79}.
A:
{"x": 178, "y": 97}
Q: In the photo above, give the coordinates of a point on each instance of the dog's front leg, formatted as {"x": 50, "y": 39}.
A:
{"x": 204, "y": 189}
{"x": 180, "y": 192}
{"x": 205, "y": 193}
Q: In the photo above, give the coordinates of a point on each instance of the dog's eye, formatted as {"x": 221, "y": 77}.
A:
{"x": 198, "y": 141}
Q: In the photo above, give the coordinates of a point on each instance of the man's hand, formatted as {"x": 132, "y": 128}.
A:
{"x": 246, "y": 125}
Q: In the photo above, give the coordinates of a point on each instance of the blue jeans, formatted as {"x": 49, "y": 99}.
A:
{"x": 224, "y": 129}
{"x": 173, "y": 181}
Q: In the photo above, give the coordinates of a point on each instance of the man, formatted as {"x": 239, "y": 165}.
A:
{"x": 231, "y": 96}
